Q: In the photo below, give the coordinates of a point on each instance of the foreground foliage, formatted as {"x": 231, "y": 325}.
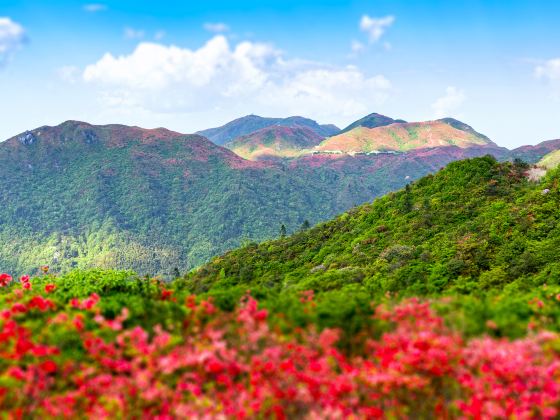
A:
{"x": 112, "y": 345}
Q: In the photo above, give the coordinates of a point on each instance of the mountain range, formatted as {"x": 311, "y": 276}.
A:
{"x": 251, "y": 123}
{"x": 79, "y": 195}
{"x": 275, "y": 142}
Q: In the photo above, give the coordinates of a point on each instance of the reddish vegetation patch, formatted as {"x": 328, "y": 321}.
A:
{"x": 275, "y": 141}
{"x": 400, "y": 137}
{"x": 237, "y": 162}
{"x": 315, "y": 161}
{"x": 121, "y": 135}
{"x": 536, "y": 152}
{"x": 234, "y": 365}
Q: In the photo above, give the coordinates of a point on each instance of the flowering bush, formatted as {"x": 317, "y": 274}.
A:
{"x": 68, "y": 359}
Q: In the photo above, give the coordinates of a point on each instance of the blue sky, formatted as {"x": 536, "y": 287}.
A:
{"x": 190, "y": 65}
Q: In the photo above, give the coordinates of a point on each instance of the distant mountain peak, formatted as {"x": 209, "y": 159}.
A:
{"x": 372, "y": 120}
{"x": 403, "y": 137}
{"x": 73, "y": 140}
{"x": 251, "y": 123}
{"x": 276, "y": 141}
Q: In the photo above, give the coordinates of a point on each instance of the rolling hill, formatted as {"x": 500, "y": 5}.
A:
{"x": 371, "y": 121}
{"x": 534, "y": 153}
{"x": 251, "y": 123}
{"x": 275, "y": 141}
{"x": 402, "y": 137}
{"x": 551, "y": 160}
{"x": 474, "y": 226}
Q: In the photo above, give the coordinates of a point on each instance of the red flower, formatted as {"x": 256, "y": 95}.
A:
{"x": 40, "y": 303}
{"x": 48, "y": 366}
{"x": 166, "y": 294}
{"x": 49, "y": 288}
{"x": 78, "y": 322}
{"x": 17, "y": 373}
{"x": 261, "y": 315}
{"x": 19, "y": 307}
{"x": 5, "y": 279}
{"x": 24, "y": 279}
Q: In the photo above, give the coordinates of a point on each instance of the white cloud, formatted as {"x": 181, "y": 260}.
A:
{"x": 216, "y": 27}
{"x": 449, "y": 104}
{"x": 375, "y": 27}
{"x": 131, "y": 33}
{"x": 95, "y": 7}
{"x": 12, "y": 37}
{"x": 159, "y": 35}
{"x": 217, "y": 77}
{"x": 549, "y": 70}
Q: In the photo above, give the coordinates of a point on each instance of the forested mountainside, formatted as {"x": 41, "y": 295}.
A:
{"x": 426, "y": 301}
{"x": 78, "y": 195}
{"x": 474, "y": 226}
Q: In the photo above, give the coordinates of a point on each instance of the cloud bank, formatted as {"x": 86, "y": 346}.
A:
{"x": 244, "y": 78}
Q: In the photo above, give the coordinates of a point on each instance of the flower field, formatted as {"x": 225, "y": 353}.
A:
{"x": 65, "y": 356}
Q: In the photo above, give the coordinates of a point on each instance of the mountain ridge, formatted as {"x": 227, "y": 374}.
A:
{"x": 371, "y": 121}
{"x": 79, "y": 195}
{"x": 274, "y": 142}
{"x": 403, "y": 137}
{"x": 251, "y": 123}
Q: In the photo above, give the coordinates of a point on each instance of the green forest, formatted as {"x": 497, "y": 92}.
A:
{"x": 477, "y": 230}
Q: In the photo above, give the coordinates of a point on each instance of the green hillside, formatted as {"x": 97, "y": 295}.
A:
{"x": 550, "y": 161}
{"x": 475, "y": 226}
{"x": 79, "y": 195}
{"x": 157, "y": 202}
